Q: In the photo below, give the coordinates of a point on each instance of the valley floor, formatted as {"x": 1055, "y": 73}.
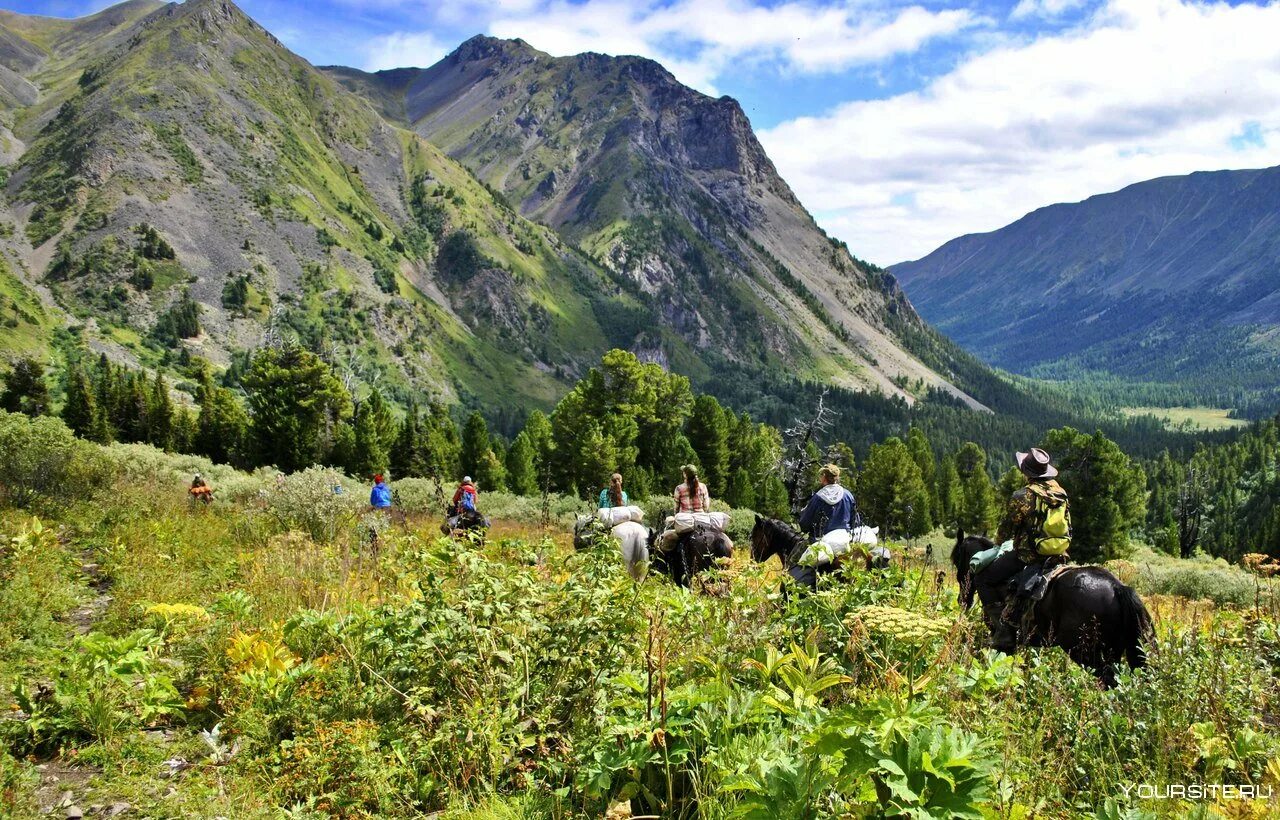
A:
{"x": 284, "y": 654}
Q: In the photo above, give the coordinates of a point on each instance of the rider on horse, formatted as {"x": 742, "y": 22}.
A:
{"x": 614, "y": 495}
{"x": 1039, "y": 525}
{"x": 830, "y": 509}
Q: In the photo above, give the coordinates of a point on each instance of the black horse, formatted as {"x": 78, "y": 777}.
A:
{"x": 694, "y": 552}
{"x": 1085, "y": 610}
{"x": 465, "y": 522}
{"x": 770, "y": 537}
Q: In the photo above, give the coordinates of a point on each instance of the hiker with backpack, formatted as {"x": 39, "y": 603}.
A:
{"x": 1038, "y": 523}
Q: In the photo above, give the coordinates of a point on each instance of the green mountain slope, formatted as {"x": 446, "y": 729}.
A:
{"x": 1169, "y": 281}
{"x": 181, "y": 151}
{"x": 669, "y": 189}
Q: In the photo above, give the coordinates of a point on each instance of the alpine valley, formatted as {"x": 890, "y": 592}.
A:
{"x": 481, "y": 231}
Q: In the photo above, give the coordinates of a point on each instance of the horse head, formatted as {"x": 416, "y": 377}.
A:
{"x": 966, "y": 547}
{"x": 762, "y": 546}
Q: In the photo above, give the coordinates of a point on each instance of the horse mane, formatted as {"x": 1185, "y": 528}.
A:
{"x": 958, "y": 558}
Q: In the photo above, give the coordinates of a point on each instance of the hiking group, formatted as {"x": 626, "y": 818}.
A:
{"x": 1029, "y": 593}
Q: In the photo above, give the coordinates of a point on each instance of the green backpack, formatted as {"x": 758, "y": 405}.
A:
{"x": 1052, "y": 530}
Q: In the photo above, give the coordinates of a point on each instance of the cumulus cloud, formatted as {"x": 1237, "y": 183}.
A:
{"x": 398, "y": 50}
{"x": 700, "y": 40}
{"x": 1143, "y": 88}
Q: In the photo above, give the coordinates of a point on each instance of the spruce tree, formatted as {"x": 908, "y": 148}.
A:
{"x": 707, "y": 430}
{"x": 922, "y": 455}
{"x": 80, "y": 411}
{"x": 522, "y": 477}
{"x": 475, "y": 445}
{"x": 160, "y": 415}
{"x": 25, "y": 390}
{"x": 977, "y": 511}
{"x": 891, "y": 492}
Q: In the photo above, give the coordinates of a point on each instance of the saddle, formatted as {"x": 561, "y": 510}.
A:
{"x": 1026, "y": 589}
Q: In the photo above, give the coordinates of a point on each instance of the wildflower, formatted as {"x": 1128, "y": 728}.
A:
{"x": 901, "y": 624}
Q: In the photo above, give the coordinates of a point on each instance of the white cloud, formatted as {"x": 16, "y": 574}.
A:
{"x": 399, "y": 50}
{"x": 1145, "y": 88}
{"x": 700, "y": 40}
{"x": 1044, "y": 8}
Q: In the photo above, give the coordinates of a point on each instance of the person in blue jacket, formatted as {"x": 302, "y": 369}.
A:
{"x": 831, "y": 507}
{"x": 380, "y": 496}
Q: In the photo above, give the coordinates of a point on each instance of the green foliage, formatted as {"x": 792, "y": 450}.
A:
{"x": 151, "y": 245}
{"x": 25, "y": 390}
{"x": 976, "y": 510}
{"x": 477, "y": 457}
{"x": 1107, "y": 492}
{"x": 891, "y": 493}
{"x": 459, "y": 260}
{"x": 42, "y": 462}
{"x": 294, "y": 401}
{"x": 180, "y": 321}
{"x": 222, "y": 425}
{"x": 385, "y": 279}
{"x": 189, "y": 165}
{"x": 708, "y": 432}
{"x": 522, "y": 475}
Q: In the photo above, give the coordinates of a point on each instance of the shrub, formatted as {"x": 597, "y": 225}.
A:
{"x": 40, "y": 459}
{"x": 316, "y": 501}
{"x": 1198, "y": 578}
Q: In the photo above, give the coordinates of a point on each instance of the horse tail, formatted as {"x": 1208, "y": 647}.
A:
{"x": 1136, "y": 626}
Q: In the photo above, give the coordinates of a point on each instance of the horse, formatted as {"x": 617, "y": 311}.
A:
{"x": 770, "y": 537}
{"x": 1086, "y": 610}
{"x": 465, "y": 523}
{"x": 694, "y": 552}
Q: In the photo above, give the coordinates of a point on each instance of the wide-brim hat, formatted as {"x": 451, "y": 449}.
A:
{"x": 1035, "y": 464}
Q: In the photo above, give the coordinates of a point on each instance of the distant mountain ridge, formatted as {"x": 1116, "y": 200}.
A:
{"x": 1175, "y": 279}
{"x": 668, "y": 188}
{"x": 164, "y": 159}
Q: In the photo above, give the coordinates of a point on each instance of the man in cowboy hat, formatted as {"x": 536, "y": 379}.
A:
{"x": 1034, "y": 510}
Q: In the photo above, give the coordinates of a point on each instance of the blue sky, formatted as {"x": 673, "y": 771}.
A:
{"x": 899, "y": 124}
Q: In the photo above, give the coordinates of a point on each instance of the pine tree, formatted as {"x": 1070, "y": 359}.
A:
{"x": 409, "y": 453}
{"x": 707, "y": 430}
{"x": 774, "y": 500}
{"x": 475, "y": 445}
{"x": 892, "y": 493}
{"x": 222, "y": 425}
{"x": 296, "y": 403}
{"x": 25, "y": 390}
{"x": 538, "y": 431}
{"x": 80, "y": 412}
{"x": 1107, "y": 492}
{"x": 977, "y": 509}
{"x": 922, "y": 455}
{"x": 522, "y": 477}
{"x": 160, "y": 415}
{"x": 741, "y": 492}
{"x": 947, "y": 489}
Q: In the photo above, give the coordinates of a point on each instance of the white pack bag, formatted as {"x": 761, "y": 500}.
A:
{"x": 613, "y": 516}
{"x": 827, "y": 549}
{"x": 686, "y": 521}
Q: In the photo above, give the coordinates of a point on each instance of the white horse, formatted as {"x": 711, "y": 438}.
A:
{"x": 633, "y": 539}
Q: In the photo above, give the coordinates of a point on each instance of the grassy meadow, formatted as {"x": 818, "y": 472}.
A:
{"x": 283, "y": 653}
{"x": 1190, "y": 418}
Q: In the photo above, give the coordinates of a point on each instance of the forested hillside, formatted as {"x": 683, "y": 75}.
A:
{"x": 1169, "y": 284}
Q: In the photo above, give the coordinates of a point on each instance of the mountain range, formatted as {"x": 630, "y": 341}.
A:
{"x": 1173, "y": 281}
{"x": 482, "y": 230}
